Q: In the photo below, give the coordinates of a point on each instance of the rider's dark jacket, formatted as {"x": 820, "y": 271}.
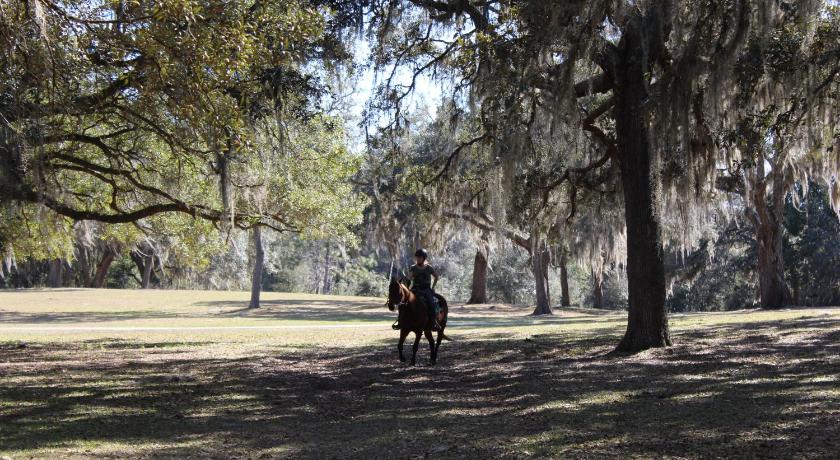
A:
{"x": 421, "y": 277}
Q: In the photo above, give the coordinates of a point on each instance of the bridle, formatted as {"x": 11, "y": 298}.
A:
{"x": 403, "y": 297}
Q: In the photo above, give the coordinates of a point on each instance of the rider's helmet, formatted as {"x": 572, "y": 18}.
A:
{"x": 421, "y": 253}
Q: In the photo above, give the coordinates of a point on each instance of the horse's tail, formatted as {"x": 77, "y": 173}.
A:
{"x": 444, "y": 305}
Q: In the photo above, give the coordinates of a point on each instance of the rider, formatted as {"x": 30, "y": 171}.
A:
{"x": 422, "y": 275}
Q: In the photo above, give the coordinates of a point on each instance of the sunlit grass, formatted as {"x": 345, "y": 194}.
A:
{"x": 300, "y": 320}
{"x": 508, "y": 384}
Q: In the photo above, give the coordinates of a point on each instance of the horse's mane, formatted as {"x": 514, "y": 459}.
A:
{"x": 404, "y": 291}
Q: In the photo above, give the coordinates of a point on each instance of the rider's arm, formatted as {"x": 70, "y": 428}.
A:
{"x": 434, "y": 278}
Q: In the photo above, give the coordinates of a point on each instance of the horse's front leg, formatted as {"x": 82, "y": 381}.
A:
{"x": 403, "y": 335}
{"x": 432, "y": 354}
{"x": 417, "y": 335}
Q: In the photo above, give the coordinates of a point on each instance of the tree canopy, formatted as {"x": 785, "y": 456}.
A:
{"x": 595, "y": 97}
{"x": 121, "y": 111}
{"x": 631, "y": 140}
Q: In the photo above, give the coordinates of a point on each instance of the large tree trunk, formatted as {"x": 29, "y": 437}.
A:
{"x": 478, "y": 292}
{"x": 545, "y": 267}
{"x": 773, "y": 292}
{"x": 647, "y": 323}
{"x": 565, "y": 300}
{"x": 148, "y": 266}
{"x": 84, "y": 268}
{"x": 539, "y": 266}
{"x": 55, "y": 279}
{"x": 597, "y": 289}
{"x": 69, "y": 277}
{"x": 327, "y": 266}
{"x": 145, "y": 263}
{"x": 102, "y": 268}
{"x": 259, "y": 259}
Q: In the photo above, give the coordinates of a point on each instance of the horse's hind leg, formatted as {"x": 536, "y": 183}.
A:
{"x": 417, "y": 335}
{"x": 403, "y": 335}
{"x": 439, "y": 340}
{"x": 432, "y": 351}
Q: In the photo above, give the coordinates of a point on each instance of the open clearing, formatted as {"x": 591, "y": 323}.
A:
{"x": 93, "y": 373}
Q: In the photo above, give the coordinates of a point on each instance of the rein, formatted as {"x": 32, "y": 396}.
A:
{"x": 405, "y": 295}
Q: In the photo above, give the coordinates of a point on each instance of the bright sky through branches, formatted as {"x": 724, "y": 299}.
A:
{"x": 426, "y": 96}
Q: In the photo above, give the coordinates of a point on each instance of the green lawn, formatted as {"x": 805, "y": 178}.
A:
{"x": 92, "y": 373}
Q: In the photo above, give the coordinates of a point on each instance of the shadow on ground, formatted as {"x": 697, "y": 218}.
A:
{"x": 332, "y": 310}
{"x": 287, "y": 309}
{"x": 758, "y": 390}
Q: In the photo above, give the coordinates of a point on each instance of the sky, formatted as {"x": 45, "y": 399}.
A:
{"x": 427, "y": 93}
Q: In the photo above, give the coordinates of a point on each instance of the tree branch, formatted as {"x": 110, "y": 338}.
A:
{"x": 453, "y": 155}
{"x": 484, "y": 222}
{"x": 454, "y": 8}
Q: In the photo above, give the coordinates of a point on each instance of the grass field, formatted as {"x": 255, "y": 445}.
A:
{"x": 115, "y": 373}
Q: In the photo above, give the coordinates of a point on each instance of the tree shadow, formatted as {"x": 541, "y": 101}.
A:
{"x": 336, "y": 309}
{"x": 45, "y": 290}
{"x": 365, "y": 311}
{"x": 17, "y": 317}
{"x": 761, "y": 389}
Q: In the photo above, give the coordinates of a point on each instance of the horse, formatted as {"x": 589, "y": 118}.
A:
{"x": 414, "y": 317}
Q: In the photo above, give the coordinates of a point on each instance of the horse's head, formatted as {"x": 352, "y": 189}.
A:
{"x": 395, "y": 294}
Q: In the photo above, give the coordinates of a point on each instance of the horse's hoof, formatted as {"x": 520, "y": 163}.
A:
{"x": 433, "y": 362}
{"x": 413, "y": 363}
{"x": 402, "y": 360}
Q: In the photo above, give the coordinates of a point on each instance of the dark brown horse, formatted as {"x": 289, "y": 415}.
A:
{"x": 414, "y": 317}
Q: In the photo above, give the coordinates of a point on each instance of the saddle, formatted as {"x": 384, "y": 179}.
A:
{"x": 421, "y": 302}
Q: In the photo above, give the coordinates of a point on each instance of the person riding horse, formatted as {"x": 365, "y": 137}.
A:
{"x": 421, "y": 310}
{"x": 423, "y": 279}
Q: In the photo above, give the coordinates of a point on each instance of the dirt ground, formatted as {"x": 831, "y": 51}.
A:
{"x": 745, "y": 384}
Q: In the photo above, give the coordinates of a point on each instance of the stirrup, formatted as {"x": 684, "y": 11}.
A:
{"x": 396, "y": 325}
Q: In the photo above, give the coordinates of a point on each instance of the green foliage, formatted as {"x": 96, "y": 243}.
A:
{"x": 165, "y": 119}
{"x": 361, "y": 278}
{"x": 123, "y": 274}
{"x": 309, "y": 181}
{"x": 727, "y": 282}
{"x": 145, "y": 105}
{"x": 725, "y": 277}
{"x": 180, "y": 123}
{"x": 812, "y": 250}
{"x": 507, "y": 282}
{"x": 30, "y": 231}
